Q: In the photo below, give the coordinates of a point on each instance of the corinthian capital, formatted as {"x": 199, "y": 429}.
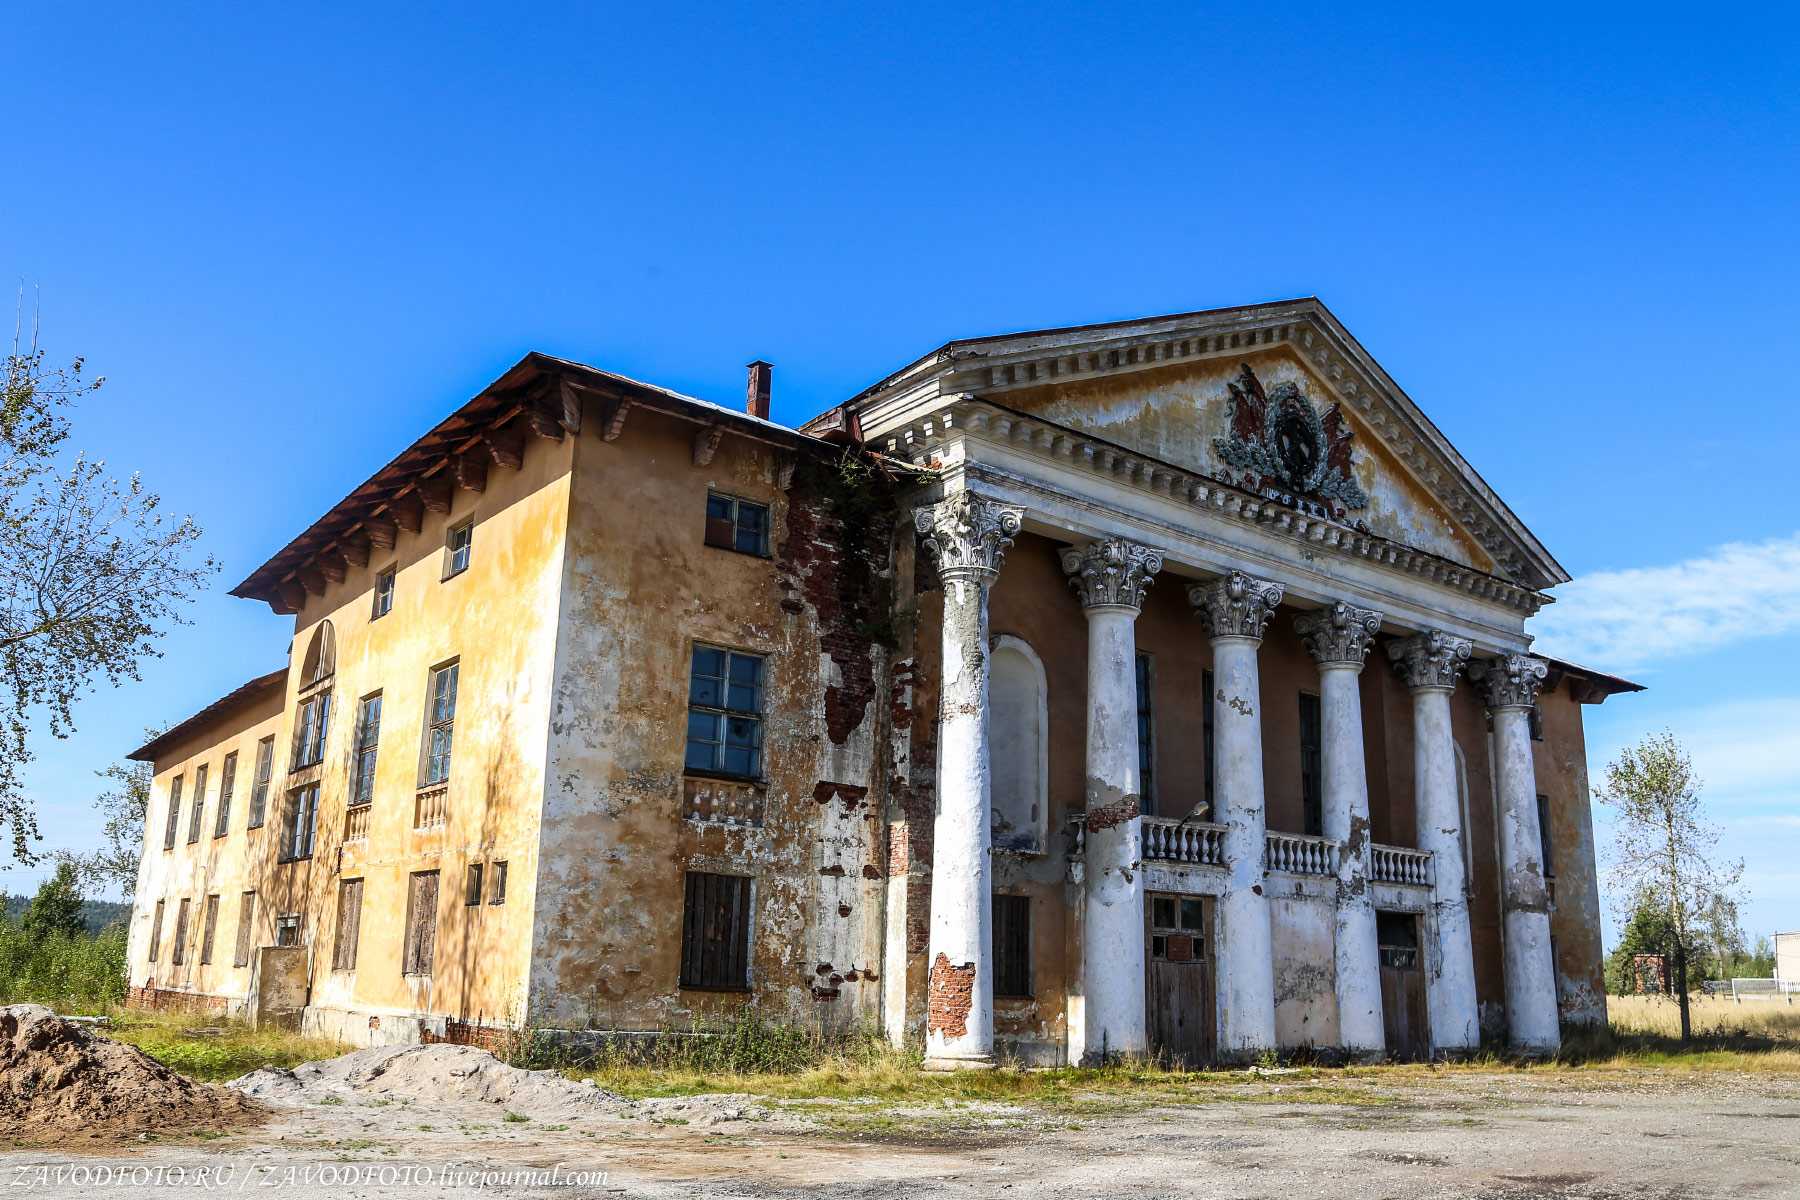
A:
{"x": 967, "y": 536}
{"x": 1111, "y": 572}
{"x": 1509, "y": 681}
{"x": 1235, "y": 606}
{"x": 1429, "y": 660}
{"x": 1340, "y": 634}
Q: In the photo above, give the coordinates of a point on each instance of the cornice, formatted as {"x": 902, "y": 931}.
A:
{"x": 919, "y": 440}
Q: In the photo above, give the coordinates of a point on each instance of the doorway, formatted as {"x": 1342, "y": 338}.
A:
{"x": 1402, "y": 986}
{"x": 1179, "y": 987}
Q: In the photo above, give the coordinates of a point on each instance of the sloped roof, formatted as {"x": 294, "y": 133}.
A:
{"x": 239, "y": 698}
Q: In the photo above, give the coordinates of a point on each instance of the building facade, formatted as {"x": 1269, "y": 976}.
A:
{"x": 1155, "y": 687}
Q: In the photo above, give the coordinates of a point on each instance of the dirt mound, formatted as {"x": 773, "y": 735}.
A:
{"x": 62, "y": 1082}
{"x": 434, "y": 1074}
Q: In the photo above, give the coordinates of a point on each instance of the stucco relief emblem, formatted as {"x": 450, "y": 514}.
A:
{"x": 1509, "y": 681}
{"x": 1286, "y": 450}
{"x": 1111, "y": 572}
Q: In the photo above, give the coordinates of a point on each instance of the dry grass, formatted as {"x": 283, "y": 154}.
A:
{"x": 1660, "y": 1016}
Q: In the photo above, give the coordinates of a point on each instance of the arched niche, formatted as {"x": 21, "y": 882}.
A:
{"x": 1018, "y": 745}
{"x": 320, "y": 662}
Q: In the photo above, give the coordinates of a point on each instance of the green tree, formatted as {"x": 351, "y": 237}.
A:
{"x": 1663, "y": 851}
{"x": 56, "y": 909}
{"x": 91, "y": 571}
{"x": 1647, "y": 931}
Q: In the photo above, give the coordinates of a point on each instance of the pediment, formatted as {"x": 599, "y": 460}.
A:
{"x": 1277, "y": 400}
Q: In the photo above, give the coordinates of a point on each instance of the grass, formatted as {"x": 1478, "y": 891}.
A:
{"x": 1777, "y": 1018}
{"x": 213, "y": 1053}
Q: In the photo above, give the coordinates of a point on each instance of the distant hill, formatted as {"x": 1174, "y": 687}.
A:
{"x": 98, "y": 914}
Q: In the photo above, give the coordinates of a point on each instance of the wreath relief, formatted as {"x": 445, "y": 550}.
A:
{"x": 1287, "y": 451}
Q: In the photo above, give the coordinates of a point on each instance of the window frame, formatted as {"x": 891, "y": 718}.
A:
{"x": 738, "y": 504}
{"x": 348, "y": 934}
{"x": 302, "y": 798}
{"x": 722, "y": 714}
{"x": 419, "y": 952}
{"x": 245, "y": 947}
{"x": 1012, "y": 963}
{"x": 209, "y": 928}
{"x": 227, "y": 789}
{"x": 430, "y": 776}
{"x": 290, "y": 921}
{"x": 312, "y": 725}
{"x": 466, "y": 527}
{"x": 197, "y": 809}
{"x": 381, "y": 601}
{"x": 178, "y": 952}
{"x": 260, "y": 785}
{"x": 1312, "y": 764}
{"x": 497, "y": 883}
{"x": 697, "y": 972}
{"x": 365, "y": 751}
{"x": 156, "y": 922}
{"x": 472, "y": 885}
{"x": 172, "y": 826}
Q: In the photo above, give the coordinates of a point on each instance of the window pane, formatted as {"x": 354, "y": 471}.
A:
{"x": 739, "y": 761}
{"x": 718, "y": 507}
{"x": 705, "y": 691}
{"x": 702, "y": 756}
{"x": 741, "y": 732}
{"x": 703, "y": 727}
{"x": 746, "y": 669}
{"x": 1192, "y": 912}
{"x": 708, "y": 661}
{"x": 1163, "y": 912}
{"x": 742, "y": 698}
{"x": 752, "y": 528}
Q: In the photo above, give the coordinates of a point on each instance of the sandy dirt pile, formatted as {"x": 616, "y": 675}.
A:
{"x": 60, "y": 1081}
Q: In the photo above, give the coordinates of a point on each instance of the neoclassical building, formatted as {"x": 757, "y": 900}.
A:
{"x": 1156, "y": 687}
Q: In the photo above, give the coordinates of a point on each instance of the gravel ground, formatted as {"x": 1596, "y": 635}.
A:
{"x": 1598, "y": 1136}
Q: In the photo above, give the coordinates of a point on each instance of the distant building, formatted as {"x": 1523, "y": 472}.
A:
{"x": 610, "y": 708}
{"x": 1787, "y": 959}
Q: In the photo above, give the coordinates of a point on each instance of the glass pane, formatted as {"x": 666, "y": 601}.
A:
{"x": 708, "y": 661}
{"x": 739, "y": 732}
{"x": 752, "y": 527}
{"x": 706, "y": 691}
{"x": 718, "y": 508}
{"x": 1192, "y": 913}
{"x": 701, "y": 756}
{"x": 743, "y": 698}
{"x": 1163, "y": 912}
{"x": 703, "y": 727}
{"x": 746, "y": 668}
{"x": 740, "y": 761}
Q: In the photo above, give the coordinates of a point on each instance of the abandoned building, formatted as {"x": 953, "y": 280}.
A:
{"x": 1155, "y": 686}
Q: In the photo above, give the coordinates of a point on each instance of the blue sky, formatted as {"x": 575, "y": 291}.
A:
{"x": 292, "y": 239}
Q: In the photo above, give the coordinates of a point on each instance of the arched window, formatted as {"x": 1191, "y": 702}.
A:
{"x": 320, "y": 662}
{"x": 1018, "y": 745}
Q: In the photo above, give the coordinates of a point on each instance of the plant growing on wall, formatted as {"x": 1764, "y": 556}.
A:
{"x": 1663, "y": 853}
{"x": 91, "y": 570}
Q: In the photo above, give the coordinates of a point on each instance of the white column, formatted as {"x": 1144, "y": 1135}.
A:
{"x": 966, "y": 536}
{"x": 1509, "y": 685}
{"x": 1110, "y": 578}
{"x": 1235, "y": 610}
{"x": 1338, "y": 638}
{"x": 1429, "y": 663}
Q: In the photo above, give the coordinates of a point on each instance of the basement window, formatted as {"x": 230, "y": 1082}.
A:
{"x": 734, "y": 524}
{"x": 715, "y": 933}
{"x": 724, "y": 726}
{"x": 1012, "y": 946}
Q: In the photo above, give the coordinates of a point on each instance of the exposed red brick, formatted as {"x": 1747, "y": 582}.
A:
{"x": 1106, "y": 816}
{"x": 949, "y": 997}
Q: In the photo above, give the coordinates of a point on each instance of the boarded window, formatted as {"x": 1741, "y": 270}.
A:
{"x": 725, "y": 702}
{"x": 715, "y": 932}
{"x": 368, "y": 736}
{"x": 349, "y": 923}
{"x": 1146, "y": 735}
{"x": 299, "y": 821}
{"x": 310, "y": 728}
{"x": 734, "y": 524}
{"x": 1543, "y": 807}
{"x": 209, "y": 929}
{"x": 156, "y": 931}
{"x": 457, "y": 546}
{"x": 174, "y": 821}
{"x": 259, "y": 793}
{"x": 440, "y": 722}
{"x": 199, "y": 804}
{"x": 287, "y": 929}
{"x": 1012, "y": 945}
{"x": 1312, "y": 767}
{"x": 246, "y": 929}
{"x": 178, "y": 953}
{"x": 472, "y": 886}
{"x": 384, "y": 594}
{"x": 227, "y": 786}
{"x": 421, "y": 923}
{"x": 497, "y": 889}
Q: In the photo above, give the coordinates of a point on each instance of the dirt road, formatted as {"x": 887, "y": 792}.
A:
{"x": 1600, "y": 1136}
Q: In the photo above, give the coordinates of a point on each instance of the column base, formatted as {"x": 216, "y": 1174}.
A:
{"x": 983, "y": 1062}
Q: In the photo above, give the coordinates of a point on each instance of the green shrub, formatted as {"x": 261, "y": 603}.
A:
{"x": 71, "y": 973}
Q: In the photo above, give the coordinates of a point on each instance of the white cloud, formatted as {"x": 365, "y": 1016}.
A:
{"x": 1626, "y": 619}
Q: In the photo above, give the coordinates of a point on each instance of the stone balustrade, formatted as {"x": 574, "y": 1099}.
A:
{"x": 1299, "y": 854}
{"x": 431, "y": 807}
{"x": 1167, "y": 839}
{"x": 356, "y": 823}
{"x": 1400, "y": 864}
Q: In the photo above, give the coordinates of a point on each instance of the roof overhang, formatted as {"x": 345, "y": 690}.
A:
{"x": 236, "y": 700}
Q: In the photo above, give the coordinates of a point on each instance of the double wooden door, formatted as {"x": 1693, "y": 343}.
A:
{"x": 1180, "y": 974}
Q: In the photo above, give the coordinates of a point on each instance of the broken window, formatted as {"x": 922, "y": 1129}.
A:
{"x": 421, "y": 923}
{"x": 734, "y": 524}
{"x": 384, "y": 594}
{"x": 309, "y": 730}
{"x": 1312, "y": 767}
{"x": 1178, "y": 928}
{"x": 1397, "y": 936}
{"x": 368, "y": 735}
{"x": 472, "y": 886}
{"x": 245, "y": 930}
{"x": 725, "y": 698}
{"x": 287, "y": 929}
{"x": 457, "y": 544}
{"x": 1146, "y": 738}
{"x": 349, "y": 924}
{"x": 259, "y": 791}
{"x": 497, "y": 889}
{"x": 440, "y": 720}
{"x": 209, "y": 929}
{"x": 174, "y": 821}
{"x": 156, "y": 930}
{"x": 299, "y": 821}
{"x": 199, "y": 804}
{"x": 178, "y": 954}
{"x": 715, "y": 932}
{"x": 1012, "y": 945}
{"x": 227, "y": 785}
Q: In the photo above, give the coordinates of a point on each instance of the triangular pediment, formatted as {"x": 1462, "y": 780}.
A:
{"x": 1276, "y": 399}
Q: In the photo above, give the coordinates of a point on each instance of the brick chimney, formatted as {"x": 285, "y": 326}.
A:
{"x": 756, "y": 391}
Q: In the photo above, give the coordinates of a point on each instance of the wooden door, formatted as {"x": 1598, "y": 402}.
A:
{"x": 1402, "y": 986}
{"x": 1178, "y": 990}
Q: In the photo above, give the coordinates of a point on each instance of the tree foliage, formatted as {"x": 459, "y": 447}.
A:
{"x": 1664, "y": 854}
{"x": 56, "y": 909}
{"x": 92, "y": 572}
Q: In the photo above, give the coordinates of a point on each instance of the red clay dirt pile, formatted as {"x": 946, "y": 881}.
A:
{"x": 61, "y": 1082}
